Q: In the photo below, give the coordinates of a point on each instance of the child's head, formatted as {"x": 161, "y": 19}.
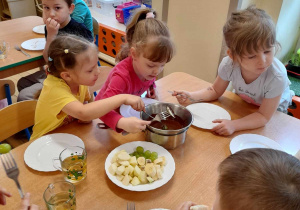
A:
{"x": 147, "y": 38}
{"x": 259, "y": 179}
{"x": 59, "y": 10}
{"x": 73, "y": 57}
{"x": 248, "y": 31}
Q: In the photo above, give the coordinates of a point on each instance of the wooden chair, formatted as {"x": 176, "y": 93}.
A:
{"x": 16, "y": 117}
{"x": 104, "y": 72}
{"x": 7, "y": 89}
{"x": 96, "y": 33}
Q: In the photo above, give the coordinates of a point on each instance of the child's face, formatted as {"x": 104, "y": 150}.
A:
{"x": 57, "y": 10}
{"x": 146, "y": 69}
{"x": 257, "y": 62}
{"x": 86, "y": 71}
{"x": 216, "y": 205}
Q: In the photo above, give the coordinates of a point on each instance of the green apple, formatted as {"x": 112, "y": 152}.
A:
{"x": 4, "y": 148}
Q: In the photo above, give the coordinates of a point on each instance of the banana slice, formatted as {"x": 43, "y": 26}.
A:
{"x": 141, "y": 161}
{"x": 150, "y": 169}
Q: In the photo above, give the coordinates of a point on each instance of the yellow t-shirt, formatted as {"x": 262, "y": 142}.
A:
{"x": 54, "y": 96}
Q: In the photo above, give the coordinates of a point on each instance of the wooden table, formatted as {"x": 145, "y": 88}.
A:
{"x": 196, "y": 160}
{"x": 15, "y": 32}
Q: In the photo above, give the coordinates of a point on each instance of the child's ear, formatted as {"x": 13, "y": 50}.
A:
{"x": 229, "y": 53}
{"x": 71, "y": 9}
{"x": 133, "y": 53}
{"x": 65, "y": 76}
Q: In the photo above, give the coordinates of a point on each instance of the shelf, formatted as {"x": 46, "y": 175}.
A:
{"x": 107, "y": 58}
{"x": 110, "y": 21}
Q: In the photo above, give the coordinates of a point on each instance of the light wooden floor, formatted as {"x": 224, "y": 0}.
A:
{"x": 20, "y": 137}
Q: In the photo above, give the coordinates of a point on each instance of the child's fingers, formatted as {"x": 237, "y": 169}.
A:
{"x": 25, "y": 202}
{"x": 5, "y": 192}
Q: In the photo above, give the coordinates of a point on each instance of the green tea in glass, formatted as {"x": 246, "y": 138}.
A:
{"x": 60, "y": 196}
{"x": 73, "y": 162}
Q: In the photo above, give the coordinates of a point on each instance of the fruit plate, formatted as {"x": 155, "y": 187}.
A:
{"x": 169, "y": 168}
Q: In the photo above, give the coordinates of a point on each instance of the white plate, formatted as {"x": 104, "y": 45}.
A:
{"x": 40, "y": 153}
{"x": 128, "y": 111}
{"x": 34, "y": 44}
{"x": 205, "y": 113}
{"x": 169, "y": 169}
{"x": 247, "y": 141}
{"x": 39, "y": 29}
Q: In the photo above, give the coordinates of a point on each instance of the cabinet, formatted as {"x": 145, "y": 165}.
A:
{"x": 10, "y": 9}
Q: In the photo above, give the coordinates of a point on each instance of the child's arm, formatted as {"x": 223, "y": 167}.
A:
{"x": 251, "y": 121}
{"x": 90, "y": 111}
{"x": 52, "y": 30}
{"x": 207, "y": 94}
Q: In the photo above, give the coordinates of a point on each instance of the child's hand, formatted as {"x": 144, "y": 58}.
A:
{"x": 132, "y": 124}
{"x": 151, "y": 92}
{"x": 186, "y": 205}
{"x": 225, "y": 128}
{"x": 135, "y": 102}
{"x": 52, "y": 27}
{"x": 3, "y": 194}
{"x": 25, "y": 205}
{"x": 84, "y": 122}
{"x": 183, "y": 97}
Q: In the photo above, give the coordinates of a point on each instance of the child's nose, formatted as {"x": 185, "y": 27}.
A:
{"x": 52, "y": 13}
{"x": 262, "y": 58}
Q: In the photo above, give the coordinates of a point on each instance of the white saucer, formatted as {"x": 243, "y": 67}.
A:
{"x": 34, "y": 44}
{"x": 40, "y": 29}
{"x": 40, "y": 153}
{"x": 248, "y": 141}
{"x": 205, "y": 113}
{"x": 128, "y": 111}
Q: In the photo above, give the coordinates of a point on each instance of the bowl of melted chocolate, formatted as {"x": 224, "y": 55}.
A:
{"x": 169, "y": 132}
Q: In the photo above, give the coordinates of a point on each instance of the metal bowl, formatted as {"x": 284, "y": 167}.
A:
{"x": 169, "y": 139}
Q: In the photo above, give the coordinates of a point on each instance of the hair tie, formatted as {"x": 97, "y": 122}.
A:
{"x": 66, "y": 51}
{"x": 150, "y": 15}
{"x": 50, "y": 59}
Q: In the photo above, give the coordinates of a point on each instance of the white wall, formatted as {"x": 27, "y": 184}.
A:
{"x": 286, "y": 15}
{"x": 288, "y": 29}
{"x": 196, "y": 27}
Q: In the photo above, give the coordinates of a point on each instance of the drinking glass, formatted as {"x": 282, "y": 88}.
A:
{"x": 60, "y": 195}
{"x": 73, "y": 161}
{"x": 4, "y": 47}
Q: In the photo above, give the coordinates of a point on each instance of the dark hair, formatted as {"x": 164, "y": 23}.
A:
{"x": 259, "y": 179}
{"x": 69, "y": 2}
{"x": 248, "y": 30}
{"x": 149, "y": 36}
{"x": 63, "y": 50}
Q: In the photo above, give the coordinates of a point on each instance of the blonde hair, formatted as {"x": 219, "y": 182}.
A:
{"x": 259, "y": 179}
{"x": 248, "y": 30}
{"x": 63, "y": 50}
{"x": 149, "y": 36}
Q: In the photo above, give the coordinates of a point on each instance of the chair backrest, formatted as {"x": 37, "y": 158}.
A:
{"x": 16, "y": 117}
{"x": 95, "y": 27}
{"x": 38, "y": 5}
{"x": 104, "y": 72}
{"x": 12, "y": 88}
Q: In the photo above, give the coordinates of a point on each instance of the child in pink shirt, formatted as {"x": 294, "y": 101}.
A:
{"x": 148, "y": 48}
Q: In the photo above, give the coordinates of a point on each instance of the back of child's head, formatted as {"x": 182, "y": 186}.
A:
{"x": 149, "y": 36}
{"x": 63, "y": 51}
{"x": 248, "y": 31}
{"x": 259, "y": 179}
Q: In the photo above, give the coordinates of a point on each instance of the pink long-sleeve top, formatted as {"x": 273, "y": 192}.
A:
{"x": 121, "y": 80}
